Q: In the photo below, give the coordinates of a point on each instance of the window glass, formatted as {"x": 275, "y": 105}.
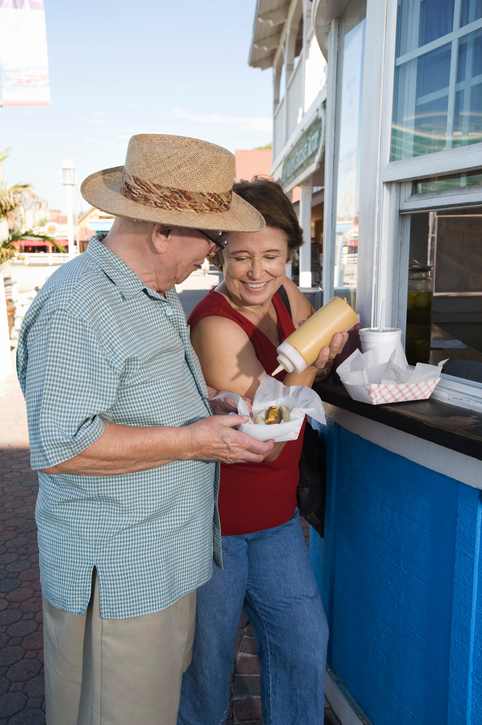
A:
{"x": 436, "y": 19}
{"x": 471, "y": 10}
{"x": 347, "y": 207}
{"x": 468, "y": 98}
{"x": 444, "y": 296}
{"x": 437, "y": 100}
{"x": 422, "y": 21}
{"x": 444, "y": 183}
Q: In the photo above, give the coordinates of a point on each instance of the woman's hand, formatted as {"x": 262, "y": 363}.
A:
{"x": 324, "y": 362}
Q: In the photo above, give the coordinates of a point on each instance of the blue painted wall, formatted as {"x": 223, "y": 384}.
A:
{"x": 398, "y": 570}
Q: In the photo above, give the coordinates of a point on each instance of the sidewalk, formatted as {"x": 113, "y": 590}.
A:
{"x": 21, "y": 657}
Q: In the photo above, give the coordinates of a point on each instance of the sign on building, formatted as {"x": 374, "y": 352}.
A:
{"x": 303, "y": 154}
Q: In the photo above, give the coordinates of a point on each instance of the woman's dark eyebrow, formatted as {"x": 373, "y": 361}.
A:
{"x": 245, "y": 251}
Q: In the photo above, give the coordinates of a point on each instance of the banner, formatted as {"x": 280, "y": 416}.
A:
{"x": 23, "y": 53}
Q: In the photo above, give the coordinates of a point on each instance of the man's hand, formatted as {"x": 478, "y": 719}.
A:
{"x": 213, "y": 439}
{"x": 127, "y": 449}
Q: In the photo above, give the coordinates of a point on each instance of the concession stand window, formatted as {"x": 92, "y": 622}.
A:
{"x": 444, "y": 290}
{"x": 445, "y": 287}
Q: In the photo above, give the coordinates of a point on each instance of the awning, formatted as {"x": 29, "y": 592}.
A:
{"x": 33, "y": 243}
{"x": 269, "y": 21}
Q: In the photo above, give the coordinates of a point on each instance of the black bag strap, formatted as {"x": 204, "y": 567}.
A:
{"x": 284, "y": 298}
{"x": 311, "y": 489}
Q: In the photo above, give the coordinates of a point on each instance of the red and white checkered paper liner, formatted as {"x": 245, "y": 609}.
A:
{"x": 401, "y": 393}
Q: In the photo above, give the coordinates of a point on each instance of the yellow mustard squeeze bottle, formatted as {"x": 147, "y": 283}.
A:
{"x": 303, "y": 346}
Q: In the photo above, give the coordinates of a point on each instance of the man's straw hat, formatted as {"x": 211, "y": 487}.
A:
{"x": 174, "y": 180}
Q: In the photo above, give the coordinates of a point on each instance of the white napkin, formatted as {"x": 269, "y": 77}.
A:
{"x": 369, "y": 367}
{"x": 300, "y": 399}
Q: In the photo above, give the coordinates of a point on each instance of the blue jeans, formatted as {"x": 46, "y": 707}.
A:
{"x": 269, "y": 575}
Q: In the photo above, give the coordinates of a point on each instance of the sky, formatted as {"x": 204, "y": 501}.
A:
{"x": 122, "y": 67}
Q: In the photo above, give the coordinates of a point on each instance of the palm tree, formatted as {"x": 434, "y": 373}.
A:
{"x": 13, "y": 198}
{"x": 9, "y": 251}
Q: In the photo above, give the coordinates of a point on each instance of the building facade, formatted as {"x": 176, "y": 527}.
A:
{"x": 400, "y": 565}
{"x": 400, "y": 568}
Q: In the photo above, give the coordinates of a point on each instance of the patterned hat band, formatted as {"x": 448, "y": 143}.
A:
{"x": 163, "y": 197}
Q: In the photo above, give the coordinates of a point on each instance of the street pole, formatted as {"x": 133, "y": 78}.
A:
{"x": 3, "y": 222}
{"x": 70, "y": 221}
{"x": 5, "y": 356}
{"x": 67, "y": 178}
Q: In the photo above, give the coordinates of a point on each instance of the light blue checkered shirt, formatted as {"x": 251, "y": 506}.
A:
{"x": 97, "y": 345}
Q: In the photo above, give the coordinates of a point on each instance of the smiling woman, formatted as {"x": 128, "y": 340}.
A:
{"x": 254, "y": 269}
{"x": 267, "y": 571}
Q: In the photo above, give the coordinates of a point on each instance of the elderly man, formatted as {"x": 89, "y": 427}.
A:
{"x": 122, "y": 433}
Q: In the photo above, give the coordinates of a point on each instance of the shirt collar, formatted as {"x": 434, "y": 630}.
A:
{"x": 118, "y": 271}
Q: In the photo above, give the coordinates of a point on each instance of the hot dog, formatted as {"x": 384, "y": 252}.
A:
{"x": 272, "y": 415}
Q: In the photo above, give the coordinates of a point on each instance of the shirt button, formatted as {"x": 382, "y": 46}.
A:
{"x": 168, "y": 311}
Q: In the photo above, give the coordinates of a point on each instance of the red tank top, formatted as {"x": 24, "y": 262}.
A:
{"x": 256, "y": 496}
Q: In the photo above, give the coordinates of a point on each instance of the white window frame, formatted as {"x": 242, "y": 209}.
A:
{"x": 451, "y": 39}
{"x": 384, "y": 215}
{"x": 463, "y": 158}
{"x": 331, "y": 174}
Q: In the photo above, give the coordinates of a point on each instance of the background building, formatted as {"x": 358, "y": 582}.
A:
{"x": 253, "y": 162}
{"x": 284, "y": 40}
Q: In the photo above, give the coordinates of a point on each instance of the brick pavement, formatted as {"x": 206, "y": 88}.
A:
{"x": 21, "y": 657}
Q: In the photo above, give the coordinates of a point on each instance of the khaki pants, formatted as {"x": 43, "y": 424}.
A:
{"x": 116, "y": 671}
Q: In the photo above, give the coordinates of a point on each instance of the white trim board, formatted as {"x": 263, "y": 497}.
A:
{"x": 340, "y": 705}
{"x": 437, "y": 458}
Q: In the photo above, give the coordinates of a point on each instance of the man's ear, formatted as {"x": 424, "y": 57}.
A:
{"x": 160, "y": 237}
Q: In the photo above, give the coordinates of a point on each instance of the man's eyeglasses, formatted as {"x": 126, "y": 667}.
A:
{"x": 219, "y": 240}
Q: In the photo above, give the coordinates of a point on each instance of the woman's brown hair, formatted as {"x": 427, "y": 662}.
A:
{"x": 268, "y": 197}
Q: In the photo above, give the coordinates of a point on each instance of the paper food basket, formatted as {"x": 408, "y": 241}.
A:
{"x": 370, "y": 379}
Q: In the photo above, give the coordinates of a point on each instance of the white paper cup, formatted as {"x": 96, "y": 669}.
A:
{"x": 371, "y": 337}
